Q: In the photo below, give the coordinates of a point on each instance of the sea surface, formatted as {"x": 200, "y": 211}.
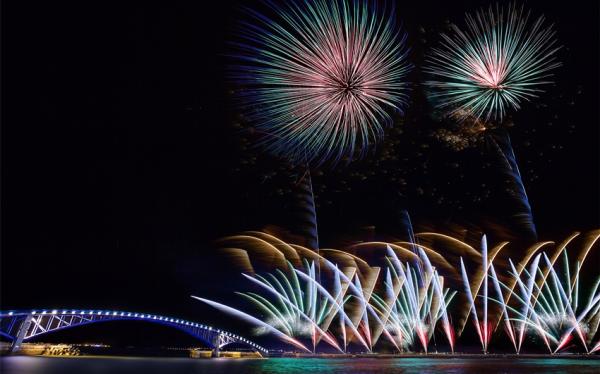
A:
{"x": 93, "y": 365}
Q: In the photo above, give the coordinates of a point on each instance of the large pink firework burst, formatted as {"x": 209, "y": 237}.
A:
{"x": 321, "y": 77}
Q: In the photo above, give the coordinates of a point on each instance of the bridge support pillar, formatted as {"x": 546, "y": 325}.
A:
{"x": 216, "y": 340}
{"x": 16, "y": 343}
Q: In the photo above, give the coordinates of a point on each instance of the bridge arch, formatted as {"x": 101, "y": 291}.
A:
{"x": 21, "y": 326}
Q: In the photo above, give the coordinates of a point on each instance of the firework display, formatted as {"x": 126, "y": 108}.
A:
{"x": 319, "y": 78}
{"x": 310, "y": 186}
{"x": 498, "y": 143}
{"x": 408, "y": 292}
{"x": 546, "y": 299}
{"x": 498, "y": 61}
{"x": 478, "y": 74}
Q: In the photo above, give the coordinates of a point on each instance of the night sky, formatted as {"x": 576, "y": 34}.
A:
{"x": 124, "y": 158}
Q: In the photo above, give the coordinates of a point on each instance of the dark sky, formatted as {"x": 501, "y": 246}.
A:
{"x": 122, "y": 162}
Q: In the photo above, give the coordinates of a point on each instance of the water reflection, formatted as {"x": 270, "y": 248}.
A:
{"x": 92, "y": 365}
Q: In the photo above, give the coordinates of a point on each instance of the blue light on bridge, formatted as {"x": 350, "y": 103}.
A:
{"x": 213, "y": 337}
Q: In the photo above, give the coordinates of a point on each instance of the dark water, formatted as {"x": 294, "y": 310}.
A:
{"x": 91, "y": 365}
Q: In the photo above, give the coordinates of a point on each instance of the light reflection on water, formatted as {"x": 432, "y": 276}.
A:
{"x": 92, "y": 365}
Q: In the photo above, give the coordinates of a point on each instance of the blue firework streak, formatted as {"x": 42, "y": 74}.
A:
{"x": 319, "y": 78}
{"x": 500, "y": 60}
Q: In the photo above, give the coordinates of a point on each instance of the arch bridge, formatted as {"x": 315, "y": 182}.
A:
{"x": 21, "y": 326}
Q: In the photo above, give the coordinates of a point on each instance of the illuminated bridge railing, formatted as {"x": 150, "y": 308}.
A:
{"x": 21, "y": 326}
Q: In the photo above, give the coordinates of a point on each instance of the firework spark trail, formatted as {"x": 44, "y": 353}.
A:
{"x": 526, "y": 292}
{"x": 566, "y": 300}
{"x": 372, "y": 310}
{"x": 508, "y": 324}
{"x": 414, "y": 303}
{"x": 596, "y": 348}
{"x": 576, "y": 324}
{"x": 547, "y": 303}
{"x": 500, "y": 60}
{"x": 310, "y": 320}
{"x": 550, "y": 311}
{"x": 339, "y": 307}
{"x": 540, "y": 320}
{"x": 484, "y": 256}
{"x": 339, "y": 298}
{"x": 594, "y": 319}
{"x": 303, "y": 210}
{"x": 389, "y": 306}
{"x": 312, "y": 303}
{"x": 363, "y": 316}
{"x": 443, "y": 307}
{"x": 385, "y": 306}
{"x": 595, "y": 235}
{"x": 472, "y": 308}
{"x": 285, "y": 288}
{"x": 499, "y": 141}
{"x": 483, "y": 330}
{"x": 567, "y": 305}
{"x": 365, "y": 307}
{"x": 321, "y": 76}
{"x": 533, "y": 321}
{"x": 360, "y": 295}
{"x": 522, "y": 264}
{"x": 253, "y": 320}
{"x": 472, "y": 290}
{"x": 393, "y": 288}
{"x": 562, "y": 247}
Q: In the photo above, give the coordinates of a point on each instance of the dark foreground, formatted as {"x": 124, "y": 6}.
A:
{"x": 55, "y": 365}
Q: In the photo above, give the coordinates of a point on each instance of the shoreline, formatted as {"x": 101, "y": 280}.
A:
{"x": 439, "y": 356}
{"x": 454, "y": 356}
